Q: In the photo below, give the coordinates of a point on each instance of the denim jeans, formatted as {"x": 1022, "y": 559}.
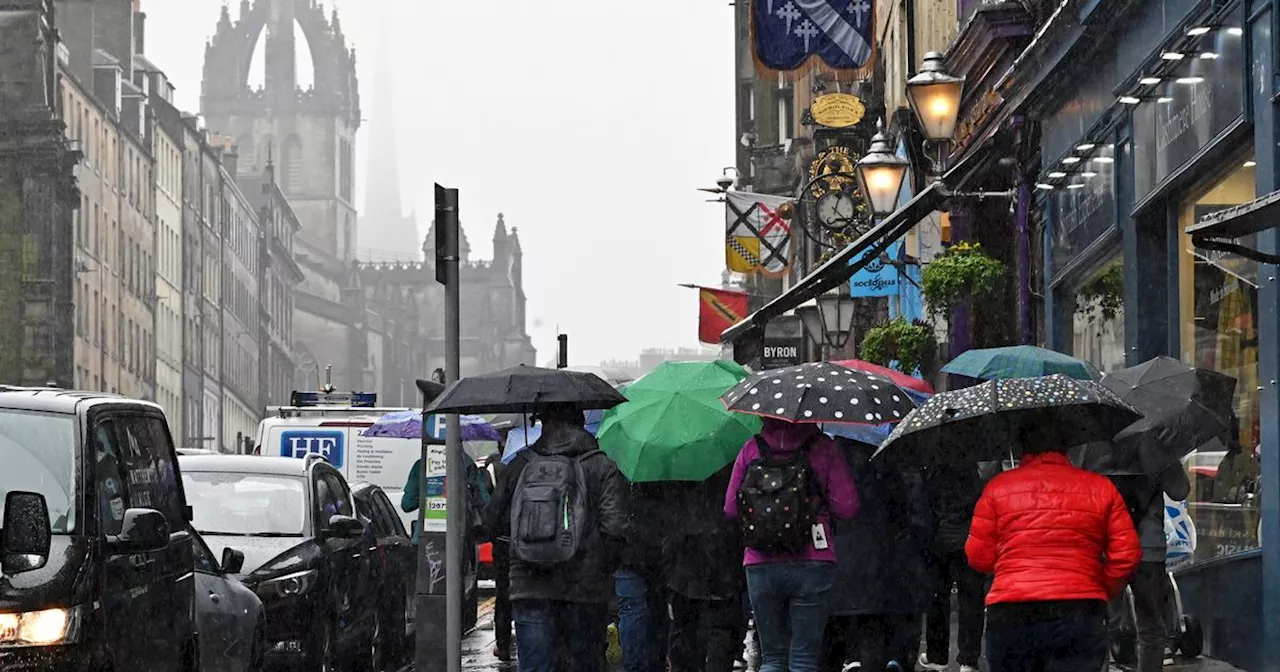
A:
{"x": 553, "y": 636}
{"x": 642, "y": 621}
{"x": 948, "y": 570}
{"x": 790, "y": 601}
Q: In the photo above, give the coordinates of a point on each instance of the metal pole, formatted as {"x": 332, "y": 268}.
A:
{"x": 455, "y": 474}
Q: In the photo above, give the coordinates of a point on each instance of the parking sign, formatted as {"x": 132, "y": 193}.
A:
{"x": 329, "y": 443}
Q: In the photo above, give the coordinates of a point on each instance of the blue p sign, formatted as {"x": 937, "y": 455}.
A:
{"x": 328, "y": 443}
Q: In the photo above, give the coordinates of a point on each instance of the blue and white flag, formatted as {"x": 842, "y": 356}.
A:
{"x": 789, "y": 32}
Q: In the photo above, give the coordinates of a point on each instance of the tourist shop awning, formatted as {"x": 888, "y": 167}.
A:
{"x": 1221, "y": 231}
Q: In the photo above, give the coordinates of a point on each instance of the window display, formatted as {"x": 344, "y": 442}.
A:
{"x": 1098, "y": 321}
{"x": 1219, "y": 319}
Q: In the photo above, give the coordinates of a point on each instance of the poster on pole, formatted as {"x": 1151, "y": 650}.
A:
{"x": 435, "y": 505}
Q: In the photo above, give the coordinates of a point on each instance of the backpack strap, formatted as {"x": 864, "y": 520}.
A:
{"x": 589, "y": 454}
{"x": 763, "y": 447}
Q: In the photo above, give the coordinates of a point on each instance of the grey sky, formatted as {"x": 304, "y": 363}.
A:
{"x": 589, "y": 124}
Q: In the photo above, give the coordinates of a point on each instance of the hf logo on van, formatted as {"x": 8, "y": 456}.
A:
{"x": 328, "y": 443}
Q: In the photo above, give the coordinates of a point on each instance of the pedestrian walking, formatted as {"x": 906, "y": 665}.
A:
{"x": 953, "y": 491}
{"x": 1150, "y": 584}
{"x": 706, "y": 581}
{"x": 881, "y": 585}
{"x": 563, "y": 506}
{"x": 640, "y": 582}
{"x": 501, "y": 576}
{"x": 1061, "y": 545}
{"x": 787, "y": 484}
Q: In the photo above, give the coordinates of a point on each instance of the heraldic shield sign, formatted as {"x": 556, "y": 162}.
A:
{"x": 757, "y": 238}
{"x": 788, "y": 33}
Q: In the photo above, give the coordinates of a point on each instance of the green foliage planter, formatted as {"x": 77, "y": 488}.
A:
{"x": 910, "y": 343}
{"x": 964, "y": 271}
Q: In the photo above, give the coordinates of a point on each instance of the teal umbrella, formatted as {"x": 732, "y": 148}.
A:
{"x": 1019, "y": 361}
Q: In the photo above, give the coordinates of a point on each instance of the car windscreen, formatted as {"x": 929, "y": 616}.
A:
{"x": 39, "y": 455}
{"x": 230, "y": 503}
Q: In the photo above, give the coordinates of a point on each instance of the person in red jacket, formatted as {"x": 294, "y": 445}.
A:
{"x": 1061, "y": 544}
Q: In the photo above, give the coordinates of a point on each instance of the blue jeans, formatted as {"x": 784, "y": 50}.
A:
{"x": 553, "y": 636}
{"x": 790, "y": 601}
{"x": 642, "y": 622}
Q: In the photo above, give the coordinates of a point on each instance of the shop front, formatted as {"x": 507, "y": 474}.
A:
{"x": 1154, "y": 140}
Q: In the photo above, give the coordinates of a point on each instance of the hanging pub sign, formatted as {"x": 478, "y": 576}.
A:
{"x": 877, "y": 278}
{"x": 837, "y": 110}
{"x": 790, "y": 36}
{"x": 783, "y": 337}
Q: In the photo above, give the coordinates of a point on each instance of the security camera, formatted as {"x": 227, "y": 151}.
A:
{"x": 749, "y": 139}
{"x": 725, "y": 182}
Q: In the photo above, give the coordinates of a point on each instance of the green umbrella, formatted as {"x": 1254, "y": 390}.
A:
{"x": 673, "y": 426}
{"x": 1019, "y": 361}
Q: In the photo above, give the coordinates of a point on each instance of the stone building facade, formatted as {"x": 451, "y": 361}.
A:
{"x": 38, "y": 197}
{"x": 377, "y": 323}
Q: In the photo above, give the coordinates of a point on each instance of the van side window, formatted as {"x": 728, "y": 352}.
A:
{"x": 107, "y": 474}
{"x": 168, "y": 486}
{"x": 341, "y": 495}
{"x": 152, "y": 483}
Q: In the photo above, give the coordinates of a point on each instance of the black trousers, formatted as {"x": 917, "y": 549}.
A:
{"x": 1150, "y": 587}
{"x": 1074, "y": 640}
{"x": 953, "y": 569}
{"x": 873, "y": 640}
{"x": 703, "y": 633}
{"x": 502, "y": 599}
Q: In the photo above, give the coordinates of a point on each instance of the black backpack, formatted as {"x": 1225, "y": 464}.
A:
{"x": 550, "y": 509}
{"x": 778, "y": 502}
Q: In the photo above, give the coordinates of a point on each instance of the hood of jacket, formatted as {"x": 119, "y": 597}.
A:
{"x": 787, "y": 437}
{"x": 565, "y": 440}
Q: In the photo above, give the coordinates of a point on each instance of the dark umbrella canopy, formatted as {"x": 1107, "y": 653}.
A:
{"x": 820, "y": 392}
{"x": 1183, "y": 407}
{"x": 523, "y": 389}
{"x": 985, "y": 422}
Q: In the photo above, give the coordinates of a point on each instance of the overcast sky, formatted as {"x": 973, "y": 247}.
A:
{"x": 589, "y": 124}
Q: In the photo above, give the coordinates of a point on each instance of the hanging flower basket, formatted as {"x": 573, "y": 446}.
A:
{"x": 907, "y": 346}
{"x": 964, "y": 271}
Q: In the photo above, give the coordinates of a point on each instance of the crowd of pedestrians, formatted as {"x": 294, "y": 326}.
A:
{"x": 834, "y": 557}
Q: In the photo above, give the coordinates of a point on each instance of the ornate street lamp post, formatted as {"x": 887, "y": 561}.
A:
{"x": 880, "y": 175}
{"x": 828, "y": 319}
{"x": 934, "y": 95}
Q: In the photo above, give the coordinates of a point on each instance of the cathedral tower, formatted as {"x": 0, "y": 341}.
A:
{"x": 386, "y": 233}
{"x": 309, "y": 132}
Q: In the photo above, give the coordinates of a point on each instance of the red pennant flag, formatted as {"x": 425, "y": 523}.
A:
{"x": 719, "y": 309}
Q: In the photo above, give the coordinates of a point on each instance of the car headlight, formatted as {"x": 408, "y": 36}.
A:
{"x": 40, "y": 628}
{"x": 289, "y": 585}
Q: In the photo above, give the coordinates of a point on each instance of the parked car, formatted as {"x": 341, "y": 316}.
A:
{"x": 97, "y": 554}
{"x": 308, "y": 556}
{"x": 229, "y": 616}
{"x": 397, "y": 569}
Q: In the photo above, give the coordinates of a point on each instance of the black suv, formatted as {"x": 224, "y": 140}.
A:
{"x": 96, "y": 560}
{"x": 311, "y": 560}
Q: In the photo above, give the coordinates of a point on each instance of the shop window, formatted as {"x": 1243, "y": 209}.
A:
{"x": 1218, "y": 308}
{"x": 1097, "y": 333}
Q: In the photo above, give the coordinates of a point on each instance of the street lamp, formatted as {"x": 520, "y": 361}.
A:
{"x": 829, "y": 318}
{"x": 880, "y": 175}
{"x": 934, "y": 95}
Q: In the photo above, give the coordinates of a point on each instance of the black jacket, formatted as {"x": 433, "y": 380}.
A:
{"x": 652, "y": 507}
{"x": 703, "y": 548}
{"x": 953, "y": 492}
{"x": 588, "y": 578}
{"x": 881, "y": 565}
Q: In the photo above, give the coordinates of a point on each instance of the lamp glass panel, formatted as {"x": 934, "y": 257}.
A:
{"x": 937, "y": 106}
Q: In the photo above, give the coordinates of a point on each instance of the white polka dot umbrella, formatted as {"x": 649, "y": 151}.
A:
{"x": 985, "y": 422}
{"x": 820, "y": 392}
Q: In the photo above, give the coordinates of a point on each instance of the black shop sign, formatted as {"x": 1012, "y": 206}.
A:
{"x": 783, "y": 341}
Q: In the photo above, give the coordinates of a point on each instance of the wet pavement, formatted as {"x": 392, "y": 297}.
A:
{"x": 477, "y": 652}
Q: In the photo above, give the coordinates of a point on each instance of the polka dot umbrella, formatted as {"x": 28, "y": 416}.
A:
{"x": 985, "y": 422}
{"x": 820, "y": 392}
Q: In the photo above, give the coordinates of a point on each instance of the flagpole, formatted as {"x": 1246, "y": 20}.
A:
{"x": 722, "y": 289}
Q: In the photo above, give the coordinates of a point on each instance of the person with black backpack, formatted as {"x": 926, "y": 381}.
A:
{"x": 787, "y": 483}
{"x": 562, "y": 507}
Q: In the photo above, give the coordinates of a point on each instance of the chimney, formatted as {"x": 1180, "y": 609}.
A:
{"x": 139, "y": 29}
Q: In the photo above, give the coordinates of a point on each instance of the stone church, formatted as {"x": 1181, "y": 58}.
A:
{"x": 375, "y": 317}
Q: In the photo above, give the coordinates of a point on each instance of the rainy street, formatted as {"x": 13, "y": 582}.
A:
{"x": 582, "y": 336}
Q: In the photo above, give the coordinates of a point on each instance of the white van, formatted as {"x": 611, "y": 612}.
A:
{"x": 333, "y": 424}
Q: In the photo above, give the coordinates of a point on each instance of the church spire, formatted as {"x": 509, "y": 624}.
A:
{"x": 387, "y": 232}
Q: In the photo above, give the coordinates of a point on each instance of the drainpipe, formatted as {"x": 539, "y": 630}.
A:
{"x": 909, "y": 7}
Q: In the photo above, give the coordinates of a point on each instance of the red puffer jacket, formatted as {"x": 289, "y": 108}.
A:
{"x": 1051, "y": 531}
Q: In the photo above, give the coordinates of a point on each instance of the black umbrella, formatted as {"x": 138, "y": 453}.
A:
{"x": 523, "y": 389}
{"x": 820, "y": 392}
{"x": 985, "y": 422}
{"x": 1183, "y": 408}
